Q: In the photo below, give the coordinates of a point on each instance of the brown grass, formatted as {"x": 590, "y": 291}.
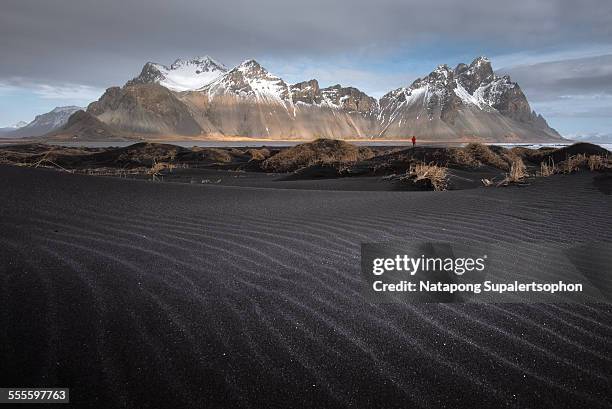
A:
{"x": 547, "y": 168}
{"x": 158, "y": 167}
{"x": 573, "y": 163}
{"x": 432, "y": 174}
{"x": 476, "y": 154}
{"x": 258, "y": 154}
{"x": 213, "y": 154}
{"x": 321, "y": 151}
{"x": 595, "y": 162}
{"x": 517, "y": 175}
{"x": 462, "y": 157}
{"x": 518, "y": 171}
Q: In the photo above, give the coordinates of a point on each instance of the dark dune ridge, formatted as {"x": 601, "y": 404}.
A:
{"x": 150, "y": 295}
{"x": 307, "y": 165}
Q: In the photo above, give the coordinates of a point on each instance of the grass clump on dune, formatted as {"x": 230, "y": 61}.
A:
{"x": 428, "y": 176}
{"x": 518, "y": 171}
{"x": 581, "y": 161}
{"x": 215, "y": 155}
{"x": 318, "y": 152}
{"x": 547, "y": 168}
{"x": 595, "y": 162}
{"x": 258, "y": 154}
{"x": 477, "y": 154}
{"x": 516, "y": 175}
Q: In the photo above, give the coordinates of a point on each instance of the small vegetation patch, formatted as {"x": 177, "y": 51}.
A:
{"x": 547, "y": 168}
{"x": 258, "y": 154}
{"x": 427, "y": 176}
{"x": 595, "y": 162}
{"x": 517, "y": 174}
{"x": 319, "y": 152}
{"x": 479, "y": 154}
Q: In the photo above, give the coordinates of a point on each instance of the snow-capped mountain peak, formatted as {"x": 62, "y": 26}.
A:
{"x": 445, "y": 97}
{"x": 202, "y": 64}
{"x": 249, "y": 79}
{"x": 182, "y": 75}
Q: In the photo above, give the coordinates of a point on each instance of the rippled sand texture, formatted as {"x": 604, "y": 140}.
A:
{"x": 145, "y": 295}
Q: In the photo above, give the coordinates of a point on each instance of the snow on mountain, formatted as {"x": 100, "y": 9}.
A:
{"x": 44, "y": 123}
{"x": 55, "y": 118}
{"x": 349, "y": 99}
{"x": 467, "y": 100}
{"x": 182, "y": 75}
{"x": 249, "y": 79}
{"x": 465, "y": 103}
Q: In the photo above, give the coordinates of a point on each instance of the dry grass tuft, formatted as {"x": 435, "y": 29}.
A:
{"x": 431, "y": 174}
{"x": 547, "y": 168}
{"x": 518, "y": 171}
{"x": 574, "y": 163}
{"x": 581, "y": 161}
{"x": 517, "y": 175}
{"x": 258, "y": 154}
{"x": 157, "y": 168}
{"x": 595, "y": 162}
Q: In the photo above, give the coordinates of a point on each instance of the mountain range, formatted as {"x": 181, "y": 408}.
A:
{"x": 42, "y": 124}
{"x": 201, "y": 99}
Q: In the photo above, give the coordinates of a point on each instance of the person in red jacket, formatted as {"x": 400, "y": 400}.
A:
{"x": 413, "y": 141}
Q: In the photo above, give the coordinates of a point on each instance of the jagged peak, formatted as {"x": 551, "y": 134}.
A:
{"x": 250, "y": 64}
{"x": 185, "y": 74}
{"x": 251, "y": 68}
{"x": 303, "y": 84}
{"x": 205, "y": 60}
{"x": 442, "y": 68}
{"x": 482, "y": 65}
{"x": 480, "y": 60}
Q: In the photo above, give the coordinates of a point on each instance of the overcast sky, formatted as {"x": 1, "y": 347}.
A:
{"x": 66, "y": 52}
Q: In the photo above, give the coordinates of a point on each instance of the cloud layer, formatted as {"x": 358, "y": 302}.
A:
{"x": 75, "y": 48}
{"x": 97, "y": 42}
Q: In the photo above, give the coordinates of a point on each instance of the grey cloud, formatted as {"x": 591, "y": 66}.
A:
{"x": 577, "y": 90}
{"x": 102, "y": 42}
{"x": 563, "y": 79}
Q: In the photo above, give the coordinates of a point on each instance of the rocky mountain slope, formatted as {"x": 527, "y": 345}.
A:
{"x": 249, "y": 101}
{"x": 468, "y": 102}
{"x": 145, "y": 109}
{"x": 86, "y": 127}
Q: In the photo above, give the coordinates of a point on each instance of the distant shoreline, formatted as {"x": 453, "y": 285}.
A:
{"x": 247, "y": 142}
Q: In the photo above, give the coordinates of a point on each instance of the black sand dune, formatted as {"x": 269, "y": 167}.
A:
{"x": 144, "y": 295}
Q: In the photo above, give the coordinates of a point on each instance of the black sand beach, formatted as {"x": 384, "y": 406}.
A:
{"x": 165, "y": 295}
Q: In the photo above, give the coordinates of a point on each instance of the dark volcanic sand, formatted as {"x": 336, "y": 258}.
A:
{"x": 159, "y": 295}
